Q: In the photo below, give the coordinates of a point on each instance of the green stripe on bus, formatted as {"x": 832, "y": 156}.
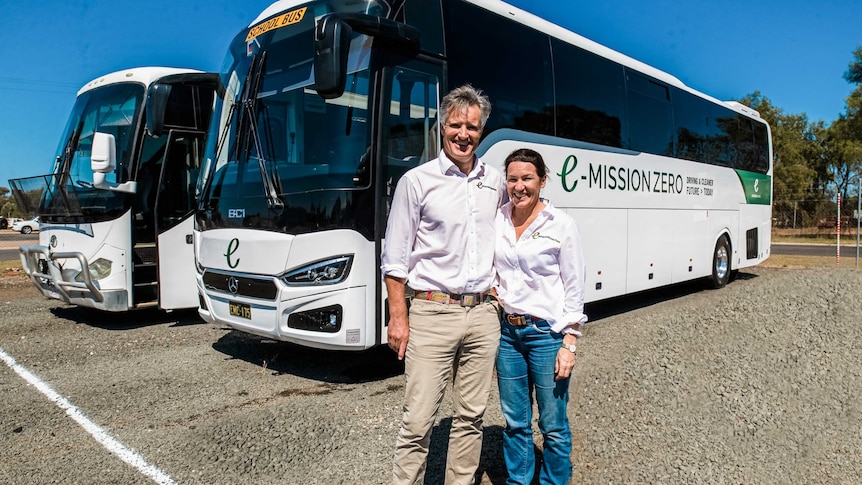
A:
{"x": 757, "y": 187}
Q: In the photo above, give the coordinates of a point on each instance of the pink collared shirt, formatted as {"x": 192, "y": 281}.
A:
{"x": 441, "y": 227}
{"x": 542, "y": 273}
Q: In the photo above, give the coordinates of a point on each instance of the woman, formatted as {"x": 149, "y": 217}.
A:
{"x": 540, "y": 264}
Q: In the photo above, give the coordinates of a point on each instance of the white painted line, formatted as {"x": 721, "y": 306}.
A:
{"x": 127, "y": 455}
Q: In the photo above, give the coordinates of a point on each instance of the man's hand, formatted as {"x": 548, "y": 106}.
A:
{"x": 399, "y": 331}
{"x": 399, "y": 325}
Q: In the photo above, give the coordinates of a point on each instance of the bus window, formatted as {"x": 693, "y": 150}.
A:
{"x": 176, "y": 190}
{"x": 411, "y": 121}
{"x": 515, "y": 72}
{"x": 650, "y": 115}
{"x": 761, "y": 148}
{"x": 693, "y": 132}
{"x": 411, "y": 131}
{"x": 590, "y": 101}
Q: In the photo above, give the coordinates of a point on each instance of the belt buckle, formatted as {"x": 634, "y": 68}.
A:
{"x": 516, "y": 320}
{"x": 468, "y": 299}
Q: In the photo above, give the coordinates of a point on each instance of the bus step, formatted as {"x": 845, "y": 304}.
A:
{"x": 145, "y": 253}
{"x": 145, "y": 293}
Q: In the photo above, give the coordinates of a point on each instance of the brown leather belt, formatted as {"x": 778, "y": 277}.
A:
{"x": 517, "y": 320}
{"x": 463, "y": 299}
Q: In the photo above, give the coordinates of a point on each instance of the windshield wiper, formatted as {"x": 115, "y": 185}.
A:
{"x": 65, "y": 160}
{"x": 250, "y": 136}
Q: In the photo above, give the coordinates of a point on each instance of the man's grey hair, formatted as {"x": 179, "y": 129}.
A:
{"x": 462, "y": 98}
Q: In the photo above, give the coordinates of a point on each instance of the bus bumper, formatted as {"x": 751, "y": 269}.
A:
{"x": 331, "y": 319}
{"x": 46, "y": 271}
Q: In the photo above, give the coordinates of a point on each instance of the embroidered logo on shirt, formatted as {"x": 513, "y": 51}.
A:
{"x": 480, "y": 185}
{"x": 537, "y": 235}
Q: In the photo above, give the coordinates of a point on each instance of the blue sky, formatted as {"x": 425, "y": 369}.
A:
{"x": 794, "y": 52}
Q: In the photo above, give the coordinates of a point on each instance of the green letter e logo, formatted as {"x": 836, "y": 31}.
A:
{"x": 568, "y": 167}
{"x": 231, "y": 248}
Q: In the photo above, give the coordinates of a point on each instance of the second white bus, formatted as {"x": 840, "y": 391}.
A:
{"x": 116, "y": 209}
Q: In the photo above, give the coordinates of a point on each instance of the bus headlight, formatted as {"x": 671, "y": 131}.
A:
{"x": 326, "y": 272}
{"x": 99, "y": 269}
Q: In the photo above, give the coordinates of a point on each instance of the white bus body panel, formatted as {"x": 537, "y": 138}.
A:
{"x": 266, "y": 255}
{"x": 142, "y": 75}
{"x": 177, "y": 282}
{"x": 650, "y": 237}
{"x": 640, "y": 238}
{"x": 108, "y": 240}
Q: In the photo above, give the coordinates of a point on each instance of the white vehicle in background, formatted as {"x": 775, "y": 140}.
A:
{"x": 327, "y": 103}
{"x": 26, "y": 227}
{"x": 116, "y": 208}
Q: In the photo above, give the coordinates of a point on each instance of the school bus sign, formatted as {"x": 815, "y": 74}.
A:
{"x": 283, "y": 20}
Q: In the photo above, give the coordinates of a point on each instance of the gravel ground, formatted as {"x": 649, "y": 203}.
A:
{"x": 756, "y": 383}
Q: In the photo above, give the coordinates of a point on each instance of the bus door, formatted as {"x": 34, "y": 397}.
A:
{"x": 174, "y": 221}
{"x": 409, "y": 136}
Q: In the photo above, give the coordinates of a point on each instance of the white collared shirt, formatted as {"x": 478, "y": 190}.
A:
{"x": 441, "y": 227}
{"x": 543, "y": 273}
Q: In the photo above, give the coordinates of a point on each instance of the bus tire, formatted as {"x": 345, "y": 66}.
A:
{"x": 720, "y": 263}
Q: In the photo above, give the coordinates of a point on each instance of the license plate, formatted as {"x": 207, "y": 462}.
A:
{"x": 240, "y": 310}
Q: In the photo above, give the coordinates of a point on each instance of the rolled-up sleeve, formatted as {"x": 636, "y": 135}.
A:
{"x": 573, "y": 274}
{"x": 401, "y": 229}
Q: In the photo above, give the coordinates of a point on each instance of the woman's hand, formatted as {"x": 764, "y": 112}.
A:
{"x": 565, "y": 359}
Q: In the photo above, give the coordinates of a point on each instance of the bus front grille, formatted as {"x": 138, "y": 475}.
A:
{"x": 240, "y": 285}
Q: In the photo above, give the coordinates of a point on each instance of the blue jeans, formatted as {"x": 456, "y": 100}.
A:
{"x": 525, "y": 362}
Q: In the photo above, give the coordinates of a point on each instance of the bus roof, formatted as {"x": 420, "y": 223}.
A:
{"x": 554, "y": 30}
{"x": 563, "y": 34}
{"x": 274, "y": 8}
{"x": 142, "y": 75}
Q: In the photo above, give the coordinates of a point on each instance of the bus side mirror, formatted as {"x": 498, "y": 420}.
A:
{"x": 103, "y": 155}
{"x": 103, "y": 160}
{"x": 157, "y": 105}
{"x": 331, "y": 48}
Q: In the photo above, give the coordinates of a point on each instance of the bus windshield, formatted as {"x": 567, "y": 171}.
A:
{"x": 113, "y": 109}
{"x": 280, "y": 155}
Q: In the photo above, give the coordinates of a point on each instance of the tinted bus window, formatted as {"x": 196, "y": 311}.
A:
{"x": 650, "y": 115}
{"x": 590, "y": 96}
{"x": 693, "y": 132}
{"x": 514, "y": 70}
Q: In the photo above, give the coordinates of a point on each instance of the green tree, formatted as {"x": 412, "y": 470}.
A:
{"x": 8, "y": 207}
{"x": 854, "y": 70}
{"x": 844, "y": 151}
{"x": 845, "y": 134}
{"x": 853, "y": 115}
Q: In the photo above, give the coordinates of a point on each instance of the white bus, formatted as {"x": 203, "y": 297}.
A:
{"x": 325, "y": 104}
{"x": 116, "y": 209}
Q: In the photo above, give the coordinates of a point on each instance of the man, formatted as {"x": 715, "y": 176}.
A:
{"x": 439, "y": 242}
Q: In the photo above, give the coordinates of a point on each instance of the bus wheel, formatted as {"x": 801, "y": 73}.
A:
{"x": 720, "y": 263}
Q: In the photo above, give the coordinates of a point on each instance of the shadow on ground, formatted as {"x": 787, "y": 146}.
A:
{"x": 622, "y": 304}
{"x": 126, "y": 320}
{"x": 491, "y": 462}
{"x": 338, "y": 367}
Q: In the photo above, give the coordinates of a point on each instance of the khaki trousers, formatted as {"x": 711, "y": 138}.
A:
{"x": 447, "y": 343}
